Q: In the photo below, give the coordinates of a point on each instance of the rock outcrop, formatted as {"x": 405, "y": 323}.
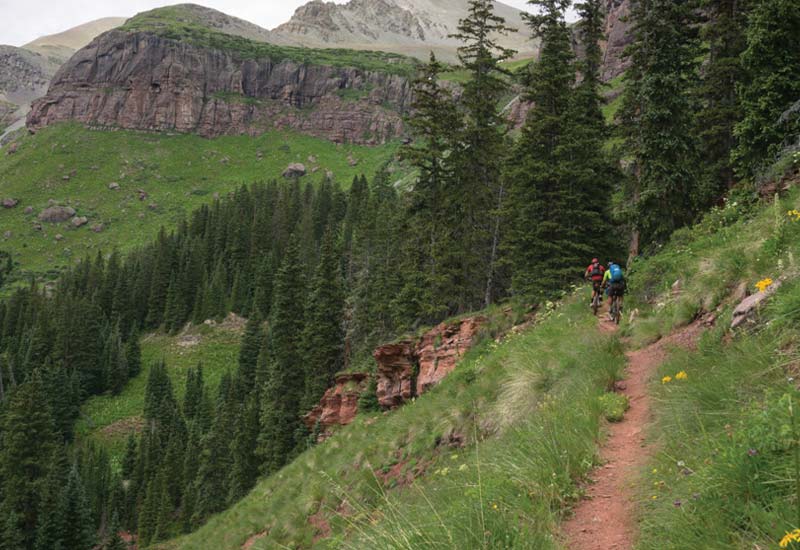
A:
{"x": 339, "y": 404}
{"x": 748, "y": 307}
{"x": 147, "y": 82}
{"x": 407, "y": 369}
{"x": 396, "y": 373}
{"x": 56, "y": 214}
{"x": 440, "y": 349}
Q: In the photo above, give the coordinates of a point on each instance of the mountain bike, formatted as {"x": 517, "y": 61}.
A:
{"x": 615, "y": 309}
{"x": 598, "y": 293}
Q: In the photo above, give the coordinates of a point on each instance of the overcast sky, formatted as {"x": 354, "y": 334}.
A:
{"x": 24, "y": 20}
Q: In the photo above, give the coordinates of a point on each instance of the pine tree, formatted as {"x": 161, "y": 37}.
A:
{"x": 77, "y": 528}
{"x": 133, "y": 353}
{"x": 113, "y": 540}
{"x": 283, "y": 391}
{"x": 129, "y": 460}
{"x": 322, "y": 337}
{"x": 558, "y": 177}
{"x": 480, "y": 160}
{"x": 48, "y": 529}
{"x": 436, "y": 125}
{"x": 657, "y": 117}
{"x": 245, "y": 468}
{"x": 771, "y": 84}
{"x": 252, "y": 340}
{"x": 720, "y": 109}
{"x": 28, "y": 442}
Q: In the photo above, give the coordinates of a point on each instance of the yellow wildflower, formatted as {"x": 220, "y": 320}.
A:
{"x": 794, "y": 214}
{"x": 666, "y": 380}
{"x": 654, "y": 497}
{"x": 681, "y": 375}
{"x": 494, "y": 506}
{"x": 789, "y": 538}
{"x": 764, "y": 284}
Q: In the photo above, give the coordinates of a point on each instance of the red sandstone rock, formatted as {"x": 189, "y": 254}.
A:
{"x": 440, "y": 349}
{"x": 339, "y": 405}
{"x": 395, "y": 373}
{"x": 145, "y": 82}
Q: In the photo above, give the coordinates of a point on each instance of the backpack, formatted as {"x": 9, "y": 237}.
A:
{"x": 616, "y": 273}
{"x": 597, "y": 270}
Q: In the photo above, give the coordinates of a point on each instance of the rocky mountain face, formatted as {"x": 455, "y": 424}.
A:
{"x": 618, "y": 37}
{"x": 25, "y": 72}
{"x": 146, "y": 82}
{"x": 411, "y": 27}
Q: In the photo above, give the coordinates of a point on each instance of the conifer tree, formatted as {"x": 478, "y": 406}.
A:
{"x": 771, "y": 84}
{"x": 245, "y": 468}
{"x": 28, "y": 442}
{"x": 48, "y": 528}
{"x": 720, "y": 110}
{"x": 283, "y": 390}
{"x": 250, "y": 347}
{"x": 657, "y": 117}
{"x": 77, "y": 528}
{"x": 559, "y": 179}
{"x": 113, "y": 540}
{"x": 480, "y": 160}
{"x": 133, "y": 354}
{"x": 322, "y": 337}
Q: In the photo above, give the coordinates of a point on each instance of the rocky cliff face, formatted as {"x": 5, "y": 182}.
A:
{"x": 146, "y": 82}
{"x": 408, "y": 369}
{"x": 618, "y": 37}
{"x": 339, "y": 405}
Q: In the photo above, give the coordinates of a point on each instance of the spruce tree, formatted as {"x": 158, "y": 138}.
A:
{"x": 480, "y": 160}
{"x": 250, "y": 347}
{"x": 114, "y": 540}
{"x": 720, "y": 110}
{"x": 283, "y": 390}
{"x": 28, "y": 442}
{"x": 245, "y": 468}
{"x": 657, "y": 119}
{"x": 323, "y": 334}
{"x": 77, "y": 528}
{"x": 770, "y": 86}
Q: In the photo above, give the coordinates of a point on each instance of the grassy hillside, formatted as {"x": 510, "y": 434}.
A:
{"x": 727, "y": 474}
{"x": 180, "y": 23}
{"x": 71, "y": 165}
{"x": 489, "y": 458}
{"x": 108, "y": 420}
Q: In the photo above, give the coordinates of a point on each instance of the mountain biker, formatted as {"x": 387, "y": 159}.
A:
{"x": 595, "y": 273}
{"x": 615, "y": 284}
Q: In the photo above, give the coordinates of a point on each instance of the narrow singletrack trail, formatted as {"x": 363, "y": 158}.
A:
{"x": 606, "y": 518}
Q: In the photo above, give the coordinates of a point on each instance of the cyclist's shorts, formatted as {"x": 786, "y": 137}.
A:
{"x": 617, "y": 289}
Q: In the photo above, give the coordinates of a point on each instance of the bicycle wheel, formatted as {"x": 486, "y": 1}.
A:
{"x": 596, "y": 304}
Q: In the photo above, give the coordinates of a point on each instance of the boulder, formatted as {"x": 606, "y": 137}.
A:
{"x": 10, "y": 203}
{"x": 28, "y": 210}
{"x": 748, "y": 307}
{"x": 113, "y": 186}
{"x": 79, "y": 221}
{"x": 295, "y": 170}
{"x": 59, "y": 237}
{"x": 56, "y": 214}
{"x": 351, "y": 160}
{"x": 98, "y": 228}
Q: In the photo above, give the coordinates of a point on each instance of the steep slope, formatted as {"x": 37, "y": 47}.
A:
{"x": 163, "y": 70}
{"x": 412, "y": 27}
{"x": 26, "y": 72}
{"x": 62, "y": 45}
{"x": 128, "y": 184}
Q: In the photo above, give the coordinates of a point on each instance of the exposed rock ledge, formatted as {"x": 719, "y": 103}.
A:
{"x": 339, "y": 404}
{"x": 146, "y": 82}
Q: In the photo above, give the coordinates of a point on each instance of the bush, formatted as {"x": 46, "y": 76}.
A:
{"x": 614, "y": 406}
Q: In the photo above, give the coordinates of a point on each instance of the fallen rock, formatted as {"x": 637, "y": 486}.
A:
{"x": 142, "y": 194}
{"x": 59, "y": 237}
{"x": 312, "y": 159}
{"x": 10, "y": 203}
{"x": 748, "y": 308}
{"x": 295, "y": 170}
{"x": 28, "y": 210}
{"x": 8, "y": 235}
{"x": 113, "y": 186}
{"x": 98, "y": 228}
{"x": 12, "y": 148}
{"x": 339, "y": 404}
{"x": 152, "y": 206}
{"x": 80, "y": 221}
{"x": 56, "y": 214}
{"x": 396, "y": 365}
{"x": 352, "y": 161}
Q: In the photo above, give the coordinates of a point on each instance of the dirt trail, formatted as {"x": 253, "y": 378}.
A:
{"x": 606, "y": 518}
